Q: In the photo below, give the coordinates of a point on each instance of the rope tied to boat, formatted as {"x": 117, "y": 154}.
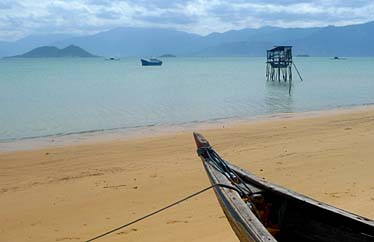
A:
{"x": 221, "y": 166}
{"x": 162, "y": 209}
{"x": 246, "y": 194}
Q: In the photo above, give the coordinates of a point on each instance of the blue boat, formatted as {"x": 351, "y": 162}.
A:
{"x": 151, "y": 62}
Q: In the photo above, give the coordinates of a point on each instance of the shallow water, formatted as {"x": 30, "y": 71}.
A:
{"x": 43, "y": 97}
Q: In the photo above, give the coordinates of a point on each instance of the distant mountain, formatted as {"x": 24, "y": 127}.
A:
{"x": 54, "y": 52}
{"x": 240, "y": 48}
{"x": 30, "y": 42}
{"x": 352, "y": 40}
{"x": 137, "y": 42}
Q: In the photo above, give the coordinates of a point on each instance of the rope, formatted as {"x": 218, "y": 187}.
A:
{"x": 217, "y": 161}
{"x": 162, "y": 209}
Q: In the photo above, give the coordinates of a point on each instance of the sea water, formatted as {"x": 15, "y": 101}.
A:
{"x": 57, "y": 97}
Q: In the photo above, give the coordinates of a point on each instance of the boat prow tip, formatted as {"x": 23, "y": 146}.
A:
{"x": 200, "y": 140}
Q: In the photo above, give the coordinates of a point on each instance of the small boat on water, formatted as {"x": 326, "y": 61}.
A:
{"x": 151, "y": 62}
{"x": 260, "y": 211}
{"x": 338, "y": 58}
{"x": 112, "y": 59}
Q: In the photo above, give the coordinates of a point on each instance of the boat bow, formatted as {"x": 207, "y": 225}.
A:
{"x": 260, "y": 211}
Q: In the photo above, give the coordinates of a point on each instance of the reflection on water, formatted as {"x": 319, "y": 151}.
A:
{"x": 277, "y": 98}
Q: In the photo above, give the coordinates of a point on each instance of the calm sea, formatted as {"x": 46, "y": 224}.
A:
{"x": 43, "y": 97}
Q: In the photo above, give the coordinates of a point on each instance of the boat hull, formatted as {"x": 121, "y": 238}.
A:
{"x": 298, "y": 218}
{"x": 244, "y": 223}
{"x": 150, "y": 63}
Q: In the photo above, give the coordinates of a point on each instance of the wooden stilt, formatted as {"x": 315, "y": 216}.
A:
{"x": 279, "y": 64}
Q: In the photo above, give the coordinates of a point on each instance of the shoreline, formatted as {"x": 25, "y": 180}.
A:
{"x": 75, "y": 192}
{"x": 121, "y": 134}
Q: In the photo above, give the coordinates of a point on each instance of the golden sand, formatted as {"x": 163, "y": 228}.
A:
{"x": 76, "y": 192}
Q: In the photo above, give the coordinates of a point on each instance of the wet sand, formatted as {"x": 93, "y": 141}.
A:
{"x": 75, "y": 192}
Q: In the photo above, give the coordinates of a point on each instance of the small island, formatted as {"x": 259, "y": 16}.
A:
{"x": 167, "y": 56}
{"x": 71, "y": 51}
{"x": 302, "y": 55}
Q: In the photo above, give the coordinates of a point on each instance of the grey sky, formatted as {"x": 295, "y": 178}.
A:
{"x": 23, "y": 17}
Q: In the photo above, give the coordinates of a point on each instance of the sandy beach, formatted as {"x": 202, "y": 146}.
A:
{"x": 75, "y": 192}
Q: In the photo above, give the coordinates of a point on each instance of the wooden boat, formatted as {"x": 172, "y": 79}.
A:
{"x": 151, "y": 62}
{"x": 260, "y": 211}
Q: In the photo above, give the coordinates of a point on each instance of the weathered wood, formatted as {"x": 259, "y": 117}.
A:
{"x": 245, "y": 224}
{"x": 299, "y": 218}
{"x": 279, "y": 60}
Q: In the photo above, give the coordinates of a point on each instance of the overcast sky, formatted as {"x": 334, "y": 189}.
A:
{"x": 19, "y": 18}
